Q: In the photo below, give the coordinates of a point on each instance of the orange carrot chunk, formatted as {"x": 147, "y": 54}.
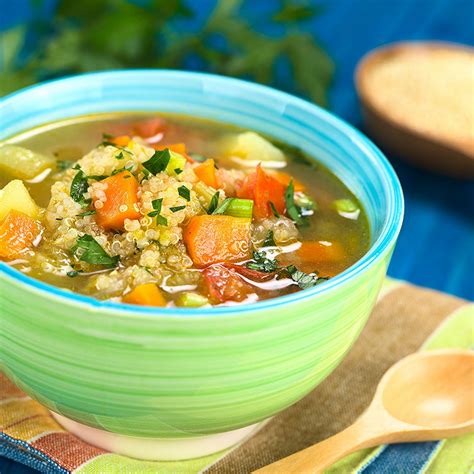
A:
{"x": 122, "y": 140}
{"x": 147, "y": 294}
{"x": 321, "y": 251}
{"x": 17, "y": 234}
{"x": 176, "y": 147}
{"x": 217, "y": 239}
{"x": 206, "y": 172}
{"x": 263, "y": 189}
{"x": 121, "y": 201}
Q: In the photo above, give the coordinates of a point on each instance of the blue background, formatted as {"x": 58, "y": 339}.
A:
{"x": 436, "y": 245}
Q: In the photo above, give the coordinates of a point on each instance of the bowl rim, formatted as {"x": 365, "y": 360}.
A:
{"x": 388, "y": 235}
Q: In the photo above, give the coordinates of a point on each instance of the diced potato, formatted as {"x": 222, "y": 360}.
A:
{"x": 22, "y": 163}
{"x": 15, "y": 196}
{"x": 251, "y": 147}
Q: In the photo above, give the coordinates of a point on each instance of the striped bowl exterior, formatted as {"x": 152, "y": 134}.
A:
{"x": 174, "y": 373}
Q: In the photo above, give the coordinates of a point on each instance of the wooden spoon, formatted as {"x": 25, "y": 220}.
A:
{"x": 425, "y": 396}
{"x": 433, "y": 151}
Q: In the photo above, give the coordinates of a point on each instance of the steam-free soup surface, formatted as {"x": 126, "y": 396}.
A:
{"x": 167, "y": 210}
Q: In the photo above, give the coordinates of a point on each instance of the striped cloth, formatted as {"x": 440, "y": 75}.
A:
{"x": 405, "y": 319}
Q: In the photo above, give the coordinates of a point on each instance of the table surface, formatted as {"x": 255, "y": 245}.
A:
{"x": 436, "y": 244}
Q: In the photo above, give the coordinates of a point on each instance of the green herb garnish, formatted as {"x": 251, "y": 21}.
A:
{"x": 88, "y": 250}
{"x": 302, "y": 279}
{"x": 158, "y": 162}
{"x": 120, "y": 156}
{"x": 292, "y": 209}
{"x": 269, "y": 240}
{"x": 87, "y": 213}
{"x": 177, "y": 208}
{"x": 273, "y": 208}
{"x": 63, "y": 165}
{"x": 79, "y": 186}
{"x": 261, "y": 263}
{"x": 157, "y": 204}
{"x": 160, "y": 220}
{"x": 72, "y": 273}
{"x": 178, "y": 170}
{"x": 223, "y": 207}
{"x": 214, "y": 203}
{"x": 184, "y": 192}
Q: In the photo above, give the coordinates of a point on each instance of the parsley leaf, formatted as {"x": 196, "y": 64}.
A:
{"x": 87, "y": 213}
{"x": 261, "y": 263}
{"x": 158, "y": 162}
{"x": 184, "y": 192}
{"x": 292, "y": 209}
{"x": 273, "y": 208}
{"x": 79, "y": 186}
{"x": 214, "y": 203}
{"x": 177, "y": 208}
{"x": 87, "y": 249}
{"x": 269, "y": 240}
{"x": 304, "y": 280}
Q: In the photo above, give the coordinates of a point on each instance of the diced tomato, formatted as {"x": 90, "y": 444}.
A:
{"x": 263, "y": 189}
{"x": 224, "y": 284}
{"x": 149, "y": 127}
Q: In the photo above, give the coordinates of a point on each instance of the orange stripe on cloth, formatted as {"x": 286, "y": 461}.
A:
{"x": 32, "y": 427}
{"x": 8, "y": 389}
{"x": 66, "y": 450}
{"x": 15, "y": 411}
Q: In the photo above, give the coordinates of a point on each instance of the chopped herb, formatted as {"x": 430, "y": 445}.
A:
{"x": 214, "y": 203}
{"x": 184, "y": 192}
{"x": 107, "y": 136}
{"x": 304, "y": 280}
{"x": 158, "y": 162}
{"x": 178, "y": 170}
{"x": 97, "y": 177}
{"x": 124, "y": 168}
{"x": 72, "y": 274}
{"x": 157, "y": 204}
{"x": 273, "y": 208}
{"x": 120, "y": 156}
{"x": 305, "y": 203}
{"x": 261, "y": 263}
{"x": 87, "y": 249}
{"x": 291, "y": 208}
{"x": 223, "y": 207}
{"x": 160, "y": 220}
{"x": 177, "y": 208}
{"x": 79, "y": 186}
{"x": 63, "y": 165}
{"x": 146, "y": 175}
{"x": 87, "y": 213}
{"x": 269, "y": 240}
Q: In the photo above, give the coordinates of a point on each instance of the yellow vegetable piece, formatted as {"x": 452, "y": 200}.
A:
{"x": 22, "y": 163}
{"x": 15, "y": 196}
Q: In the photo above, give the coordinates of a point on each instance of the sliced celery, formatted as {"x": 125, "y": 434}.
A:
{"x": 191, "y": 300}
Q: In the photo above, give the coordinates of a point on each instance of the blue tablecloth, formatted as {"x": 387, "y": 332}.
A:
{"x": 436, "y": 245}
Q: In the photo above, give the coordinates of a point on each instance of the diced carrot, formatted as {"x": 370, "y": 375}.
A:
{"x": 122, "y": 140}
{"x": 17, "y": 233}
{"x": 263, "y": 189}
{"x": 206, "y": 172}
{"x": 317, "y": 251}
{"x": 121, "y": 201}
{"x": 217, "y": 239}
{"x": 147, "y": 294}
{"x": 224, "y": 284}
{"x": 327, "y": 258}
{"x": 285, "y": 179}
{"x": 177, "y": 147}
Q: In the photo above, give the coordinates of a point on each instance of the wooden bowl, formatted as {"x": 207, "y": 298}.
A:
{"x": 425, "y": 150}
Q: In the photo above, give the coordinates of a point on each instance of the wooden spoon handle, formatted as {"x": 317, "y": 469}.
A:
{"x": 322, "y": 455}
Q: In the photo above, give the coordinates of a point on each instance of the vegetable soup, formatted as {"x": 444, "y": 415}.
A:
{"x": 168, "y": 210}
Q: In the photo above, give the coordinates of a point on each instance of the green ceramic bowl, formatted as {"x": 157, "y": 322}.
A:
{"x": 172, "y": 374}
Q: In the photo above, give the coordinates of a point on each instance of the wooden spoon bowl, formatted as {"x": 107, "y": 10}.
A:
{"x": 426, "y": 396}
{"x": 452, "y": 157}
